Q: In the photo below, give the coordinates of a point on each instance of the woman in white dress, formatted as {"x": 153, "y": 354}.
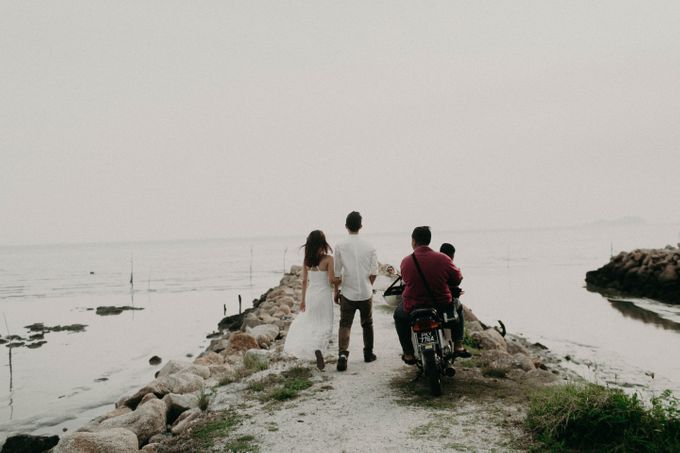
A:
{"x": 310, "y": 332}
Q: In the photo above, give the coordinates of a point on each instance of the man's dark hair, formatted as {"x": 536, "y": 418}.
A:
{"x": 448, "y": 249}
{"x": 422, "y": 235}
{"x": 353, "y": 222}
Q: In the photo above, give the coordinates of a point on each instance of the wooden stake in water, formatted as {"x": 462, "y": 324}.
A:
{"x": 132, "y": 268}
{"x": 239, "y": 304}
{"x": 9, "y": 346}
{"x": 251, "y": 267}
{"x": 284, "y": 259}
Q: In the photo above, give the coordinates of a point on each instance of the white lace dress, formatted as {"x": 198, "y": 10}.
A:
{"x": 312, "y": 328}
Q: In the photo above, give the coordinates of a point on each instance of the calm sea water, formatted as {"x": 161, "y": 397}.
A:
{"x": 532, "y": 280}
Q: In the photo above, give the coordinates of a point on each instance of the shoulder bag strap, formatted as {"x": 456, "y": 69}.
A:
{"x": 422, "y": 276}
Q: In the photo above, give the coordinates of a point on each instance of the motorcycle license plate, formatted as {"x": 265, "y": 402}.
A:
{"x": 426, "y": 337}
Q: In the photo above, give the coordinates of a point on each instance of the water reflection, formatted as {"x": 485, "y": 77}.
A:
{"x": 631, "y": 310}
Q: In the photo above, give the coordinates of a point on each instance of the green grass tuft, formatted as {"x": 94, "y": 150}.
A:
{"x": 297, "y": 372}
{"x": 290, "y": 389}
{"x": 242, "y": 444}
{"x": 469, "y": 342}
{"x": 264, "y": 383}
{"x": 255, "y": 363}
{"x": 203, "y": 400}
{"x": 205, "y": 434}
{"x": 590, "y": 417}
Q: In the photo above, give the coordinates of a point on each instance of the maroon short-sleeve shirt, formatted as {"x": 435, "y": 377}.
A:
{"x": 440, "y": 273}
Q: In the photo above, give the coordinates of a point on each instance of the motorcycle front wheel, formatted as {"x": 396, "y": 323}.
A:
{"x": 432, "y": 374}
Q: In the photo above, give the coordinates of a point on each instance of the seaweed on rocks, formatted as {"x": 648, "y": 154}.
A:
{"x": 233, "y": 322}
{"x": 40, "y": 327}
{"x": 112, "y": 310}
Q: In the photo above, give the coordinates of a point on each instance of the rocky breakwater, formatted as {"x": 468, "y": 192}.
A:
{"x": 497, "y": 355}
{"x": 653, "y": 273}
{"x": 177, "y": 399}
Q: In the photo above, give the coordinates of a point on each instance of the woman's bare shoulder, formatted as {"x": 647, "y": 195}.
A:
{"x": 325, "y": 261}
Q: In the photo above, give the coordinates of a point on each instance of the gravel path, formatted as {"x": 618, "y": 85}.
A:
{"x": 366, "y": 409}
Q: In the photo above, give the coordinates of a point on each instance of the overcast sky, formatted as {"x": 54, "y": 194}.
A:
{"x": 138, "y": 119}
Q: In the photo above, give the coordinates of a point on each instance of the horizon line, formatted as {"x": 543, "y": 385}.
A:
{"x": 597, "y": 224}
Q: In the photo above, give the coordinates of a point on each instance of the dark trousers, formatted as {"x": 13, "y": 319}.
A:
{"x": 402, "y": 323}
{"x": 458, "y": 327}
{"x": 347, "y": 310}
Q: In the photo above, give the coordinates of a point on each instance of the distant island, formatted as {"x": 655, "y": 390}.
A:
{"x": 626, "y": 220}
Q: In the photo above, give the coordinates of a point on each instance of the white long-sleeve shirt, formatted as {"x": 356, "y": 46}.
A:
{"x": 355, "y": 261}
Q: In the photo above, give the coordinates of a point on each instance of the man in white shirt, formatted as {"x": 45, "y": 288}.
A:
{"x": 356, "y": 263}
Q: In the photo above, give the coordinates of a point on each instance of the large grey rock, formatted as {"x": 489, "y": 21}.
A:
{"x": 251, "y": 321}
{"x": 160, "y": 438}
{"x": 271, "y": 319}
{"x": 257, "y": 355}
{"x": 497, "y": 359}
{"x": 114, "y": 440}
{"x": 523, "y": 362}
{"x": 515, "y": 347}
{"x": 218, "y": 345}
{"x": 182, "y": 382}
{"x": 220, "y": 371}
{"x": 468, "y": 314}
{"x": 268, "y": 330}
{"x": 145, "y": 421}
{"x": 275, "y": 293}
{"x": 177, "y": 404}
{"x": 490, "y": 339}
{"x": 94, "y": 423}
{"x": 266, "y": 306}
{"x": 473, "y": 326}
{"x": 185, "y": 420}
{"x": 209, "y": 358}
{"x": 148, "y": 397}
{"x": 176, "y": 366}
{"x": 286, "y": 300}
{"x": 183, "y": 402}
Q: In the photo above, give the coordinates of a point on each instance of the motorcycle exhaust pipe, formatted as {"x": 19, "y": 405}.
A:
{"x": 450, "y": 371}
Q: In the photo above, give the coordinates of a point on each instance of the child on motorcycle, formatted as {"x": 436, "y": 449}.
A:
{"x": 456, "y": 327}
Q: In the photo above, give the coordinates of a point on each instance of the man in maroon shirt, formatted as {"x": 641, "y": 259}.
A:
{"x": 440, "y": 273}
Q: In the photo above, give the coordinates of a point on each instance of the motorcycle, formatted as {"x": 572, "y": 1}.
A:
{"x": 434, "y": 355}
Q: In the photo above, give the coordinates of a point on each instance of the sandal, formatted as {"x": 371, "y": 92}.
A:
{"x": 411, "y": 361}
{"x": 462, "y": 353}
{"x": 319, "y": 360}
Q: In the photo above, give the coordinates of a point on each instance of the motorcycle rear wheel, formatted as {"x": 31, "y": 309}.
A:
{"x": 432, "y": 374}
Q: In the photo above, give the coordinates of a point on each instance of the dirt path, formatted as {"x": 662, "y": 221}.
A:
{"x": 374, "y": 407}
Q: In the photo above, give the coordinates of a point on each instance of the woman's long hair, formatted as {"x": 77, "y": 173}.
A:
{"x": 315, "y": 247}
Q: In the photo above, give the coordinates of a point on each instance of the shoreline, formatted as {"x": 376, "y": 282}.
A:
{"x": 165, "y": 411}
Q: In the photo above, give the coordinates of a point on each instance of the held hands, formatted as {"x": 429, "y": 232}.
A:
{"x": 336, "y": 297}
{"x": 302, "y": 306}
